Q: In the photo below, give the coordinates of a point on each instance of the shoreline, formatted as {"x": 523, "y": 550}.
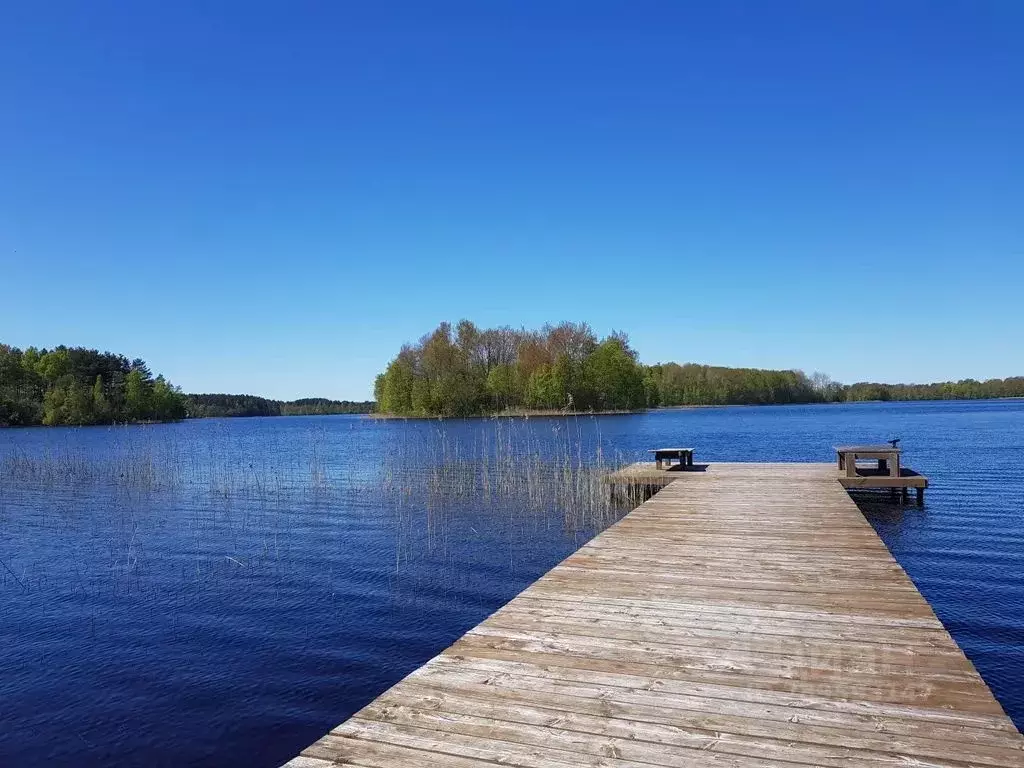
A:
{"x": 526, "y": 414}
{"x": 520, "y": 414}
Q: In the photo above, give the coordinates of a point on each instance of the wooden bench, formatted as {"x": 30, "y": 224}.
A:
{"x": 887, "y": 474}
{"x": 663, "y": 457}
{"x": 888, "y": 458}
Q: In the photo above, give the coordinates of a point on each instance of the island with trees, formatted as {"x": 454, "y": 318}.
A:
{"x": 466, "y": 371}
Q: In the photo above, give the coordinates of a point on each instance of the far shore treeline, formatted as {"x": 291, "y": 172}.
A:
{"x": 460, "y": 371}
{"x": 466, "y": 370}
{"x": 79, "y": 386}
{"x": 203, "y": 406}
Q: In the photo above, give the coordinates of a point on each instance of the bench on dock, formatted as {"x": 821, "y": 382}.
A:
{"x": 888, "y": 457}
{"x": 887, "y": 473}
{"x": 663, "y": 457}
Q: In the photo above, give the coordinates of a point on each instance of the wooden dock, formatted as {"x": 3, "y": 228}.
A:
{"x": 887, "y": 474}
{"x": 746, "y": 615}
{"x": 643, "y": 479}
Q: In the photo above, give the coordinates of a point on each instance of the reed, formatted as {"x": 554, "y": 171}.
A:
{"x": 139, "y": 469}
{"x": 537, "y": 479}
{"x": 221, "y": 466}
{"x": 517, "y": 480}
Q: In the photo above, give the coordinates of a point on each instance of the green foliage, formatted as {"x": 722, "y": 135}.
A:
{"x": 565, "y": 367}
{"x": 165, "y": 402}
{"x": 503, "y": 386}
{"x": 469, "y": 371}
{"x": 320, "y": 406}
{"x": 617, "y": 380}
{"x": 136, "y": 396}
{"x": 692, "y": 384}
{"x": 393, "y": 389}
{"x": 217, "y": 406}
{"x": 221, "y": 406}
{"x": 965, "y": 389}
{"x": 78, "y": 386}
{"x": 546, "y": 389}
{"x": 652, "y": 395}
{"x": 100, "y": 406}
{"x": 21, "y": 387}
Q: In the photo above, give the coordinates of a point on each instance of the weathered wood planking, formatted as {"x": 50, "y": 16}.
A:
{"x": 744, "y": 616}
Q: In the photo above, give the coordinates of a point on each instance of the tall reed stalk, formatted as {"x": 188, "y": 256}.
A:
{"x": 536, "y": 478}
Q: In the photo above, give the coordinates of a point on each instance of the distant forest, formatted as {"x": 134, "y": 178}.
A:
{"x": 466, "y": 370}
{"x": 201, "y": 406}
{"x": 78, "y": 386}
{"x": 460, "y": 371}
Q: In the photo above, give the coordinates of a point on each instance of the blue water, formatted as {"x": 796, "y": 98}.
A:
{"x": 223, "y": 592}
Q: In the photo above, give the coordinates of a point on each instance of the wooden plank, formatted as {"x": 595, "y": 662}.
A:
{"x": 746, "y": 615}
{"x": 517, "y": 681}
{"x": 883, "y": 717}
{"x": 891, "y": 651}
{"x": 731, "y": 734}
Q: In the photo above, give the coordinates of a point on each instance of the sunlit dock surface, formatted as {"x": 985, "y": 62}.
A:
{"x": 747, "y": 615}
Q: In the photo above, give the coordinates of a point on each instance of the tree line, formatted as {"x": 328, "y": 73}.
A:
{"x": 320, "y": 406}
{"x": 965, "y": 389}
{"x": 216, "y": 405}
{"x": 464, "y": 370}
{"x": 452, "y": 371}
{"x": 75, "y": 385}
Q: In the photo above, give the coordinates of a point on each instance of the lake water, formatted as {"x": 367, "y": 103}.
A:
{"x": 223, "y": 592}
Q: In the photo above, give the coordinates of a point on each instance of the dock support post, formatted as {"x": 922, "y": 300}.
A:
{"x": 920, "y": 497}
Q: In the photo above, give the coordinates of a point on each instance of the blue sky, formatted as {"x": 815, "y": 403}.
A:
{"x": 272, "y": 197}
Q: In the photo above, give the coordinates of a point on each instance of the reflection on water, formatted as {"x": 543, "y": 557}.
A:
{"x": 223, "y": 592}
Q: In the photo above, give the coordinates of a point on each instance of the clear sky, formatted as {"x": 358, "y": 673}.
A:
{"x": 272, "y": 197}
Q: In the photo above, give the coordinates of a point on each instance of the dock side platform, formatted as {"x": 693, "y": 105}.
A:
{"x": 746, "y": 615}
